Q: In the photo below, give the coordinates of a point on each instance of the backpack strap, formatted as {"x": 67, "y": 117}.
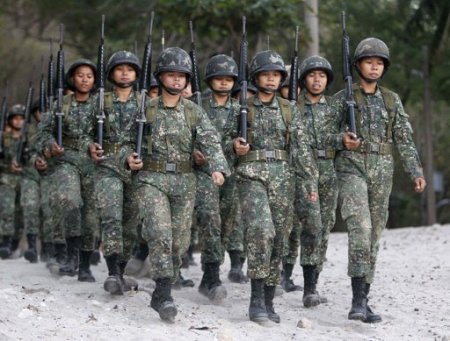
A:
{"x": 389, "y": 104}
{"x": 286, "y": 112}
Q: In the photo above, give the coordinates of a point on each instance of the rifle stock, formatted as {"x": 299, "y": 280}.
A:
{"x": 293, "y": 80}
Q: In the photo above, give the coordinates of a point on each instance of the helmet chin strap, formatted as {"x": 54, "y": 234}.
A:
{"x": 124, "y": 85}
{"x": 266, "y": 90}
{"x": 172, "y": 91}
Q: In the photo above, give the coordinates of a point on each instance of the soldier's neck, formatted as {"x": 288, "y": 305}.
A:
{"x": 170, "y": 100}
{"x": 123, "y": 93}
{"x": 266, "y": 97}
{"x": 368, "y": 87}
{"x": 16, "y": 133}
{"x": 313, "y": 98}
{"x": 220, "y": 99}
{"x": 81, "y": 97}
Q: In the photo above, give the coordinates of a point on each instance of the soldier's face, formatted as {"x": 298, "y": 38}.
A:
{"x": 222, "y": 83}
{"x": 16, "y": 122}
{"x": 83, "y": 79}
{"x": 371, "y": 68}
{"x": 173, "y": 80}
{"x": 124, "y": 74}
{"x": 316, "y": 82}
{"x": 269, "y": 79}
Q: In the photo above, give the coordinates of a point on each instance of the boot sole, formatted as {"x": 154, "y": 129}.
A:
{"x": 309, "y": 302}
{"x": 274, "y": 318}
{"x": 168, "y": 311}
{"x": 217, "y": 294}
{"x": 262, "y": 318}
{"x": 113, "y": 287}
{"x": 357, "y": 317}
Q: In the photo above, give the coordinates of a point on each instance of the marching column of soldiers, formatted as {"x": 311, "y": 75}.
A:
{"x": 261, "y": 192}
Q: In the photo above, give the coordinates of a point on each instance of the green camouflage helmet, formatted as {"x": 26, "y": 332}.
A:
{"x": 16, "y": 110}
{"x": 221, "y": 65}
{"x": 153, "y": 82}
{"x": 315, "y": 63}
{"x": 74, "y": 66}
{"x": 267, "y": 61}
{"x": 372, "y": 47}
{"x": 174, "y": 59}
{"x": 123, "y": 57}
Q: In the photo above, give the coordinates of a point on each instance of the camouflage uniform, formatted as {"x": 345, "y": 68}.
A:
{"x": 167, "y": 197}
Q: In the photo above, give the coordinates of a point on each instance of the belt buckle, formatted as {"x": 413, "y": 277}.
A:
{"x": 171, "y": 167}
{"x": 321, "y": 153}
{"x": 270, "y": 155}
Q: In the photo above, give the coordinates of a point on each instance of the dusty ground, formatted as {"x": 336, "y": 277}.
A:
{"x": 411, "y": 292}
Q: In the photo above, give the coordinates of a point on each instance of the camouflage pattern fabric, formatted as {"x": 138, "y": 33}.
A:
{"x": 365, "y": 178}
{"x": 167, "y": 199}
{"x": 266, "y": 188}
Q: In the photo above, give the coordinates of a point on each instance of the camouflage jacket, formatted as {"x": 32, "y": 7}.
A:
{"x": 375, "y": 125}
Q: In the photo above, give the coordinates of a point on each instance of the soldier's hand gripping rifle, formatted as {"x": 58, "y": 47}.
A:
{"x": 293, "y": 80}
{"x": 348, "y": 79}
{"x": 60, "y": 89}
{"x": 100, "y": 84}
{"x": 3, "y": 113}
{"x": 144, "y": 85}
{"x": 242, "y": 81}
{"x": 50, "y": 79}
{"x": 24, "y": 130}
{"x": 195, "y": 81}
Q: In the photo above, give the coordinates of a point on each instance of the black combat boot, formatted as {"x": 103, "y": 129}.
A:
{"x": 128, "y": 283}
{"x": 95, "y": 255}
{"x": 136, "y": 264}
{"x": 47, "y": 251}
{"x": 323, "y": 299}
{"x": 310, "y": 296}
{"x": 359, "y": 300}
{"x": 57, "y": 259}
{"x": 257, "y": 311}
{"x": 31, "y": 253}
{"x": 162, "y": 300}
{"x": 5, "y": 247}
{"x": 286, "y": 282}
{"x": 236, "y": 275}
{"x": 211, "y": 285}
{"x": 269, "y": 294}
{"x": 113, "y": 284}
{"x": 70, "y": 268}
{"x": 84, "y": 271}
{"x": 182, "y": 282}
{"x": 371, "y": 316}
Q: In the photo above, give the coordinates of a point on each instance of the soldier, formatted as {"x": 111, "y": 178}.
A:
{"x": 215, "y": 208}
{"x": 115, "y": 161}
{"x": 317, "y": 219}
{"x": 9, "y": 180}
{"x": 265, "y": 180}
{"x": 73, "y": 204}
{"x": 166, "y": 188}
{"x": 364, "y": 167}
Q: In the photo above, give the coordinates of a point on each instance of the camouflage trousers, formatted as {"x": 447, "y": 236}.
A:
{"x": 267, "y": 219}
{"x": 50, "y": 232}
{"x": 10, "y": 190}
{"x": 364, "y": 201}
{"x": 73, "y": 204}
{"x": 230, "y": 211}
{"x": 114, "y": 205}
{"x": 166, "y": 203}
{"x": 208, "y": 219}
{"x": 313, "y": 222}
{"x": 30, "y": 202}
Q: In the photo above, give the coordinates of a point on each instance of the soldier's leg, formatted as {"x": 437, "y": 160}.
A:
{"x": 30, "y": 202}
{"x": 354, "y": 202}
{"x": 47, "y": 251}
{"x": 291, "y": 250}
{"x": 109, "y": 192}
{"x": 7, "y": 204}
{"x": 209, "y": 225}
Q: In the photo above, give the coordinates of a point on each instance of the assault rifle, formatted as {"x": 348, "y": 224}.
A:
{"x": 242, "y": 81}
{"x": 50, "y": 79}
{"x": 60, "y": 89}
{"x": 100, "y": 84}
{"x": 348, "y": 78}
{"x": 144, "y": 85}
{"x": 24, "y": 130}
{"x": 195, "y": 81}
{"x": 3, "y": 113}
{"x": 42, "y": 97}
{"x": 293, "y": 80}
